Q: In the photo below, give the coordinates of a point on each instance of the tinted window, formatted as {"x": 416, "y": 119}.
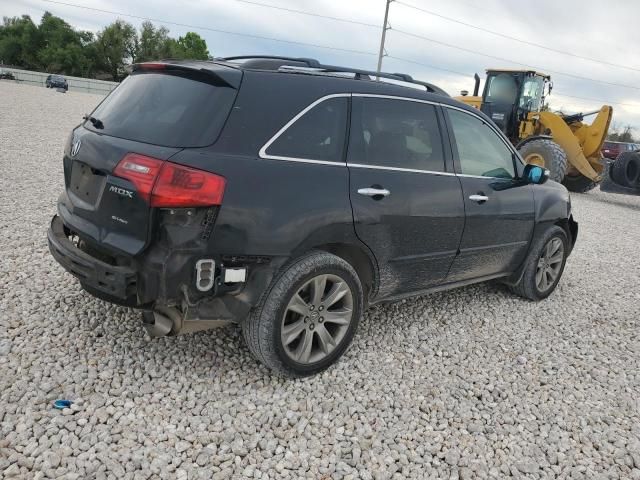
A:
{"x": 395, "y": 133}
{"x": 318, "y": 135}
{"x": 166, "y": 110}
{"x": 502, "y": 88}
{"x": 532, "y": 93}
{"x": 481, "y": 151}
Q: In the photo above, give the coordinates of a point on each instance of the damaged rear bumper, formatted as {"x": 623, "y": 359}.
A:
{"x": 164, "y": 281}
{"x": 113, "y": 281}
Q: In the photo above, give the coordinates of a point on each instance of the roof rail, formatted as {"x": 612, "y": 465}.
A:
{"x": 311, "y": 62}
{"x": 317, "y": 67}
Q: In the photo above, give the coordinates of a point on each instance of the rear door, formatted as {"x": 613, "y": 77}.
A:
{"x": 407, "y": 206}
{"x": 499, "y": 211}
{"x": 151, "y": 116}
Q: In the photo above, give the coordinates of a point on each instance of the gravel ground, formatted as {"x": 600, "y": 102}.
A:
{"x": 473, "y": 383}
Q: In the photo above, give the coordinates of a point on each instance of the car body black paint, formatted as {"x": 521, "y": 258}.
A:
{"x": 425, "y": 236}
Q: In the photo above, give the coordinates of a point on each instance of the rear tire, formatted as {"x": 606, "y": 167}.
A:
{"x": 543, "y": 261}
{"x": 626, "y": 169}
{"x": 579, "y": 183}
{"x": 555, "y": 158}
{"x": 290, "y": 318}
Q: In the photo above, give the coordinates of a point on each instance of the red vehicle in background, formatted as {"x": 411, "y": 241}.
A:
{"x": 611, "y": 150}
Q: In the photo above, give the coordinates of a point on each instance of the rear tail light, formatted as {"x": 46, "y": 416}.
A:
{"x": 166, "y": 184}
{"x": 139, "y": 170}
{"x": 180, "y": 186}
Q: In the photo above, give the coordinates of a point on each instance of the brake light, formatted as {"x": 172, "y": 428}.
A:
{"x": 166, "y": 184}
{"x": 139, "y": 170}
{"x": 152, "y": 66}
{"x": 180, "y": 186}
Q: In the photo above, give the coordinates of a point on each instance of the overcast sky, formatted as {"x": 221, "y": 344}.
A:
{"x": 605, "y": 31}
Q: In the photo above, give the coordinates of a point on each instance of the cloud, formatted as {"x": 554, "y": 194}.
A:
{"x": 581, "y": 28}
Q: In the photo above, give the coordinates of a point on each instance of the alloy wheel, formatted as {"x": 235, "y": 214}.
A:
{"x": 317, "y": 318}
{"x": 549, "y": 264}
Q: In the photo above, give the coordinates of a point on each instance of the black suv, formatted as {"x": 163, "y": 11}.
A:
{"x": 287, "y": 196}
{"x": 56, "y": 81}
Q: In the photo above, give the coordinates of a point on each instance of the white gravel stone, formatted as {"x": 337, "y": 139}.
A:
{"x": 433, "y": 387}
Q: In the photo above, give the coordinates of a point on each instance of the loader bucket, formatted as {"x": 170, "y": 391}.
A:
{"x": 581, "y": 142}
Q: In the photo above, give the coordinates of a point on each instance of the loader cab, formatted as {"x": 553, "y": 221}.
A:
{"x": 510, "y": 95}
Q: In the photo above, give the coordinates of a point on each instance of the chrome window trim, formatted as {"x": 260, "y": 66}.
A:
{"x": 264, "y": 155}
{"x": 399, "y": 169}
{"x": 507, "y": 144}
{"x": 495, "y": 130}
{"x": 263, "y": 151}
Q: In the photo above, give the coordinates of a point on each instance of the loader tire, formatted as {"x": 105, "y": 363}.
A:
{"x": 555, "y": 158}
{"x": 626, "y": 169}
{"x": 579, "y": 183}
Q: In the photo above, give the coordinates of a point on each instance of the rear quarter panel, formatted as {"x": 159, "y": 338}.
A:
{"x": 273, "y": 207}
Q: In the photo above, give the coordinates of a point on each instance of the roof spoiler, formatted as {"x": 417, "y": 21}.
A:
{"x": 211, "y": 73}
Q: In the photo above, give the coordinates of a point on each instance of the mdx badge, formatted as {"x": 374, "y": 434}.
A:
{"x": 121, "y": 191}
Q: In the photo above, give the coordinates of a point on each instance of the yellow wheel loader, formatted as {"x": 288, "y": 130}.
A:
{"x": 563, "y": 144}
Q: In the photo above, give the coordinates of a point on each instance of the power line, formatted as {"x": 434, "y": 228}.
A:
{"x": 310, "y": 14}
{"x": 526, "y": 42}
{"x": 466, "y": 75}
{"x": 228, "y": 32}
{"x": 501, "y": 59}
{"x": 606, "y": 102}
{"x": 359, "y": 52}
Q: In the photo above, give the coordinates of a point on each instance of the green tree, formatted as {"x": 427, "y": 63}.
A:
{"x": 20, "y": 42}
{"x": 55, "y": 46}
{"x": 117, "y": 46}
{"x": 154, "y": 43}
{"x": 193, "y": 47}
{"x": 63, "y": 48}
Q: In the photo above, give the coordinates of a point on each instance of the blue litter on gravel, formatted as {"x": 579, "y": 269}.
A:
{"x": 61, "y": 404}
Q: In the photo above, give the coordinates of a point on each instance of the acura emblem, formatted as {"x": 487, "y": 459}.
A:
{"x": 75, "y": 147}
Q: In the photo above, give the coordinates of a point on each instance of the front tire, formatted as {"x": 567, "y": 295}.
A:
{"x": 544, "y": 265}
{"x": 308, "y": 316}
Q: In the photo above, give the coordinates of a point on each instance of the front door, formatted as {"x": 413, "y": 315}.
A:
{"x": 499, "y": 211}
{"x": 407, "y": 207}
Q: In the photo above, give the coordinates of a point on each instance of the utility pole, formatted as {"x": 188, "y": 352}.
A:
{"x": 385, "y": 27}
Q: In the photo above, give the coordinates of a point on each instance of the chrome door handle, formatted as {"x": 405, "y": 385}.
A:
{"x": 374, "y": 192}
{"x": 479, "y": 198}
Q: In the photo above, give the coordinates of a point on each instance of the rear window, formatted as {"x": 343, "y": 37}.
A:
{"x": 164, "y": 109}
{"x": 319, "y": 134}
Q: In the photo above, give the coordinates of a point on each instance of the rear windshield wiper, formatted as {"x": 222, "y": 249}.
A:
{"x": 94, "y": 121}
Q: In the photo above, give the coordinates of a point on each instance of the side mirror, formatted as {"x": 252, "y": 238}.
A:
{"x": 535, "y": 174}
